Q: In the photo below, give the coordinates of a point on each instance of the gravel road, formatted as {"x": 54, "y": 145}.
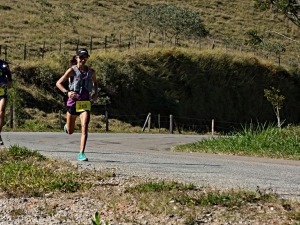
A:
{"x": 149, "y": 155}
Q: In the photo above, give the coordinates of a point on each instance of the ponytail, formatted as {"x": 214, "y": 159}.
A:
{"x": 73, "y": 61}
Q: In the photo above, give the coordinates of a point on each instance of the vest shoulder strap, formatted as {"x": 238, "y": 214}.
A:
{"x": 76, "y": 70}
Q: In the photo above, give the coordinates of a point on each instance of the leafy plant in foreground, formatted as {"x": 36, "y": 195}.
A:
{"x": 97, "y": 219}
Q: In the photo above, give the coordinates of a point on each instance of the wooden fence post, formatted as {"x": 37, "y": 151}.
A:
{"x": 91, "y": 45}
{"x": 25, "y": 51}
{"x": 146, "y": 121}
{"x": 158, "y": 121}
{"x": 43, "y": 50}
{"x": 105, "y": 42}
{"x": 149, "y": 39}
{"x": 106, "y": 121}
{"x": 212, "y": 127}
{"x": 171, "y": 124}
{"x": 149, "y": 122}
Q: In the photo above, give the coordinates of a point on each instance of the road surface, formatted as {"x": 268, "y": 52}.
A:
{"x": 149, "y": 155}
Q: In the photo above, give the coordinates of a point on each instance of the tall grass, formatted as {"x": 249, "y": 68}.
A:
{"x": 28, "y": 173}
{"x": 263, "y": 141}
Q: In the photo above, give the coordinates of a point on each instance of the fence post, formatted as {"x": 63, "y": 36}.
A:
{"x": 146, "y": 121}
{"x": 212, "y": 127}
{"x": 43, "y": 49}
{"x": 158, "y": 121}
{"x": 106, "y": 120}
{"x": 77, "y": 45}
{"x": 149, "y": 39}
{"x": 149, "y": 122}
{"x": 91, "y": 44}
{"x": 105, "y": 42}
{"x": 171, "y": 124}
{"x": 25, "y": 51}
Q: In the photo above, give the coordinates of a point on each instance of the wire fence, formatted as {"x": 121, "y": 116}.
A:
{"x": 142, "y": 123}
{"x": 29, "y": 51}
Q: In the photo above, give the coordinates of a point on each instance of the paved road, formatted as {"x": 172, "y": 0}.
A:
{"x": 148, "y": 155}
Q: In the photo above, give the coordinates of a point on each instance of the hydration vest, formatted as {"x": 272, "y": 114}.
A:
{"x": 5, "y": 74}
{"x": 80, "y": 82}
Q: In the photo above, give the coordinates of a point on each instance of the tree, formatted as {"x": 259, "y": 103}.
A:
{"x": 170, "y": 19}
{"x": 274, "y": 97}
{"x": 257, "y": 41}
{"x": 289, "y": 8}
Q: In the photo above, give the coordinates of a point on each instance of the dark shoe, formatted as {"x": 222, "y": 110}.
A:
{"x": 1, "y": 142}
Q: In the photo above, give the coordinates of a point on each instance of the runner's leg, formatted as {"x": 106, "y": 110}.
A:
{"x": 85, "y": 119}
{"x": 2, "y": 112}
{"x": 70, "y": 122}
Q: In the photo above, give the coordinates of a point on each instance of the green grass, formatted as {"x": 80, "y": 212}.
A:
{"x": 24, "y": 172}
{"x": 28, "y": 173}
{"x": 262, "y": 141}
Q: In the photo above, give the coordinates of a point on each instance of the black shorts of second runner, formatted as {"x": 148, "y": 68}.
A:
{"x": 3, "y": 96}
{"x": 72, "y": 111}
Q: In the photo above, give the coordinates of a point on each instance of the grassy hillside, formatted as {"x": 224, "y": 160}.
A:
{"x": 61, "y": 25}
{"x": 56, "y": 28}
{"x": 194, "y": 86}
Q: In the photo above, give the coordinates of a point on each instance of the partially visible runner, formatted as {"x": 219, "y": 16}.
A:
{"x": 82, "y": 81}
{"x": 5, "y": 82}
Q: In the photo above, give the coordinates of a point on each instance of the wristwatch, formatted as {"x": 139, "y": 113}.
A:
{"x": 66, "y": 92}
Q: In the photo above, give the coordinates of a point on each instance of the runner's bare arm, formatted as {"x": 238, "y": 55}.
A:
{"x": 63, "y": 79}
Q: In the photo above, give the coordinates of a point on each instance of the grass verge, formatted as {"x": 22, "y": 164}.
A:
{"x": 261, "y": 142}
{"x": 26, "y": 173}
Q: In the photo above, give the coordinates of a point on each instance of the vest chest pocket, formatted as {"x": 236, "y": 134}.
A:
{"x": 82, "y": 106}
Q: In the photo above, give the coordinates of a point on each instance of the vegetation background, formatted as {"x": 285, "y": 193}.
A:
{"x": 219, "y": 77}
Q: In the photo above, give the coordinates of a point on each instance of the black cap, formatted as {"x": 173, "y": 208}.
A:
{"x": 82, "y": 52}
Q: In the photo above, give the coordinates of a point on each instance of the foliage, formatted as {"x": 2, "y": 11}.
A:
{"x": 97, "y": 220}
{"x": 290, "y": 8}
{"x": 28, "y": 173}
{"x": 274, "y": 97}
{"x": 260, "y": 141}
{"x": 188, "y": 84}
{"x": 170, "y": 19}
{"x": 258, "y": 41}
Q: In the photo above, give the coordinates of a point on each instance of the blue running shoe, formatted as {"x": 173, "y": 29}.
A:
{"x": 65, "y": 129}
{"x": 82, "y": 157}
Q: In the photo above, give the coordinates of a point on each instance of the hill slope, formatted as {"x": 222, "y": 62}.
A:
{"x": 62, "y": 25}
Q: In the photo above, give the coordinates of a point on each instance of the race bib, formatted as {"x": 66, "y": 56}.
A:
{"x": 2, "y": 91}
{"x": 82, "y": 106}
